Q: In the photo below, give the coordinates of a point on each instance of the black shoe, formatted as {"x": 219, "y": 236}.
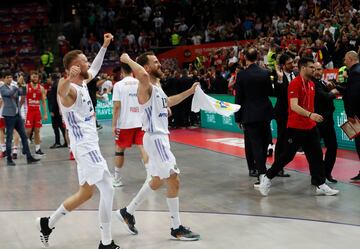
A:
{"x": 31, "y": 160}
{"x": 14, "y": 155}
{"x": 64, "y": 145}
{"x": 99, "y": 127}
{"x": 183, "y": 233}
{"x": 331, "y": 179}
{"x": 253, "y": 173}
{"x": 128, "y": 220}
{"x": 55, "y": 146}
{"x": 45, "y": 231}
{"x": 110, "y": 246}
{"x": 356, "y": 178}
{"x": 282, "y": 174}
{"x": 39, "y": 152}
{"x": 11, "y": 163}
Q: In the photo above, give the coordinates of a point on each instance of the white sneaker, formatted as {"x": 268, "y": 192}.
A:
{"x": 326, "y": 190}
{"x": 117, "y": 183}
{"x": 265, "y": 185}
{"x": 257, "y": 185}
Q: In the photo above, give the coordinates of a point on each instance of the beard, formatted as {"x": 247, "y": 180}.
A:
{"x": 85, "y": 75}
{"x": 157, "y": 73}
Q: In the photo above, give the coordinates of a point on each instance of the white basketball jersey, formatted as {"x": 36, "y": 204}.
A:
{"x": 155, "y": 113}
{"x": 125, "y": 91}
{"x": 80, "y": 118}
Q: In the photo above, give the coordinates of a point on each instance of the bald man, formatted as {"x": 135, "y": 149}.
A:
{"x": 352, "y": 94}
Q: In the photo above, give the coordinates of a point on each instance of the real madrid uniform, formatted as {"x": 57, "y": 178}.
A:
{"x": 84, "y": 141}
{"x": 162, "y": 162}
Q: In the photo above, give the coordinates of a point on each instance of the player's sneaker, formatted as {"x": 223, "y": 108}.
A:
{"x": 45, "y": 231}
{"x": 71, "y": 156}
{"x": 128, "y": 220}
{"x": 110, "y": 246}
{"x": 184, "y": 233}
{"x": 39, "y": 153}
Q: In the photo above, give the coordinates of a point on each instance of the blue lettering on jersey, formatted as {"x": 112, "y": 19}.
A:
{"x": 88, "y": 118}
{"x": 163, "y": 115}
{"x": 132, "y": 95}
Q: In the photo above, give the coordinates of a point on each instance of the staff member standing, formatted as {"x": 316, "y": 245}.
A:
{"x": 285, "y": 74}
{"x": 324, "y": 105}
{"x": 11, "y": 112}
{"x": 352, "y": 95}
{"x": 301, "y": 131}
{"x": 253, "y": 88}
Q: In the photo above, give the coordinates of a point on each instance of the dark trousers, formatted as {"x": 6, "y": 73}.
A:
{"x": 248, "y": 152}
{"x": 309, "y": 140}
{"x": 257, "y": 136}
{"x": 281, "y": 124}
{"x": 57, "y": 125}
{"x": 328, "y": 134}
{"x": 15, "y": 122}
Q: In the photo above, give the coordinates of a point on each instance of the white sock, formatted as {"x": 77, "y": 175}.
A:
{"x": 60, "y": 212}
{"x": 139, "y": 198}
{"x": 105, "y": 230}
{"x": 118, "y": 172}
{"x": 173, "y": 204}
{"x": 105, "y": 208}
{"x": 15, "y": 150}
{"x": 37, "y": 147}
{"x": 3, "y": 147}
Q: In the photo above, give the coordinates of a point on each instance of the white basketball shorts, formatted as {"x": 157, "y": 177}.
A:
{"x": 162, "y": 162}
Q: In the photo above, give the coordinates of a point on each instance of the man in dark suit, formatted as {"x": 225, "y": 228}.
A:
{"x": 10, "y": 94}
{"x": 285, "y": 74}
{"x": 253, "y": 88}
{"x": 56, "y": 119}
{"x": 324, "y": 105}
{"x": 352, "y": 95}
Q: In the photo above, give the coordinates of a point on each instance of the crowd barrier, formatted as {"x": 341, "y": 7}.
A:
{"x": 217, "y": 122}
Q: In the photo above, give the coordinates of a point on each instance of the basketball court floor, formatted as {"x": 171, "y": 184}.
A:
{"x": 217, "y": 200}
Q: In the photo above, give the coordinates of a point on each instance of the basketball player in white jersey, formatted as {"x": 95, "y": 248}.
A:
{"x": 79, "y": 116}
{"x": 162, "y": 164}
{"x": 126, "y": 122}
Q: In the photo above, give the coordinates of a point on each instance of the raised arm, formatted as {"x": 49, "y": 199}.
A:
{"x": 97, "y": 62}
{"x": 144, "y": 88}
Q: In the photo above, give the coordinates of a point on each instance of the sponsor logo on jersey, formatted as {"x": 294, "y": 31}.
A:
{"x": 163, "y": 115}
{"x": 132, "y": 95}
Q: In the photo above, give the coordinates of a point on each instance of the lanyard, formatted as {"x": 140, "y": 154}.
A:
{"x": 306, "y": 90}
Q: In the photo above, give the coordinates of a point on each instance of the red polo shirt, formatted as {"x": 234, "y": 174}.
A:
{"x": 305, "y": 93}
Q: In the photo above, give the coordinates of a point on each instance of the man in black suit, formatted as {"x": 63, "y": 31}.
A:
{"x": 253, "y": 88}
{"x": 324, "y": 105}
{"x": 285, "y": 74}
{"x": 352, "y": 95}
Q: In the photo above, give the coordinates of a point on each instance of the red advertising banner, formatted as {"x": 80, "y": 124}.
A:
{"x": 330, "y": 74}
{"x": 183, "y": 54}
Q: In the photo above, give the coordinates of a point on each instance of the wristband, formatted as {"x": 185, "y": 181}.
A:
{"x": 310, "y": 114}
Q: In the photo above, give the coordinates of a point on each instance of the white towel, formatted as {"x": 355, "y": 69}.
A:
{"x": 210, "y": 104}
